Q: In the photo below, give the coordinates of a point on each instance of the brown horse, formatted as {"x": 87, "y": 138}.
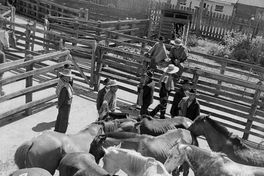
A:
{"x": 46, "y": 150}
{"x": 206, "y": 163}
{"x": 34, "y": 171}
{"x": 156, "y": 147}
{"x": 221, "y": 140}
{"x": 80, "y": 164}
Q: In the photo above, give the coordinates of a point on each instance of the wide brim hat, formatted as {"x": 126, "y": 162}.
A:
{"x": 106, "y": 81}
{"x": 176, "y": 42}
{"x": 67, "y": 72}
{"x": 112, "y": 83}
{"x": 186, "y": 81}
{"x": 149, "y": 74}
{"x": 193, "y": 92}
{"x": 171, "y": 69}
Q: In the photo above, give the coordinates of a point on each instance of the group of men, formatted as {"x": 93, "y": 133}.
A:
{"x": 184, "y": 101}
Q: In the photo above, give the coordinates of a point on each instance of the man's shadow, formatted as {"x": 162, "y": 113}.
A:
{"x": 43, "y": 126}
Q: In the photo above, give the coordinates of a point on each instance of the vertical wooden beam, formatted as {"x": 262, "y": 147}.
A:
{"x": 252, "y": 111}
{"x": 29, "y": 83}
{"x": 99, "y": 66}
{"x": 222, "y": 72}
{"x": 33, "y": 35}
{"x": 195, "y": 77}
{"x": 93, "y": 62}
{"x": 27, "y": 41}
{"x": 199, "y": 19}
{"x": 87, "y": 14}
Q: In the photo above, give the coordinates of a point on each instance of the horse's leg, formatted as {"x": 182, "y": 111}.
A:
{"x": 185, "y": 168}
{"x": 176, "y": 172}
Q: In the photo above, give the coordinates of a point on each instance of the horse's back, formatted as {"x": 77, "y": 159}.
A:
{"x": 31, "y": 172}
{"x": 79, "y": 163}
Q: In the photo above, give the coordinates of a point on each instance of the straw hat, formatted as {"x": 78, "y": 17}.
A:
{"x": 149, "y": 74}
{"x": 67, "y": 72}
{"x": 186, "y": 81}
{"x": 112, "y": 83}
{"x": 171, "y": 69}
{"x": 176, "y": 42}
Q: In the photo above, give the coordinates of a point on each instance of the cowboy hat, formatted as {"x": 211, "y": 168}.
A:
{"x": 176, "y": 42}
{"x": 106, "y": 81}
{"x": 186, "y": 81}
{"x": 149, "y": 74}
{"x": 67, "y": 72}
{"x": 193, "y": 92}
{"x": 171, "y": 69}
{"x": 112, "y": 83}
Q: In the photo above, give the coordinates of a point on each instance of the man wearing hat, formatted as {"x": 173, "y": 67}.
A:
{"x": 186, "y": 83}
{"x": 109, "y": 103}
{"x": 64, "y": 93}
{"x": 178, "y": 55}
{"x": 166, "y": 85}
{"x": 146, "y": 93}
{"x": 157, "y": 53}
{"x": 189, "y": 106}
{"x": 101, "y": 94}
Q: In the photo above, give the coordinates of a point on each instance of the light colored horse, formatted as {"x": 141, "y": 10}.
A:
{"x": 206, "y": 163}
{"x": 132, "y": 163}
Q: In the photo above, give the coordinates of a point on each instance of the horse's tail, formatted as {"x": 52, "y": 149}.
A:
{"x": 21, "y": 154}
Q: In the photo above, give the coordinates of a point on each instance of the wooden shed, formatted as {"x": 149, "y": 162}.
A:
{"x": 174, "y": 24}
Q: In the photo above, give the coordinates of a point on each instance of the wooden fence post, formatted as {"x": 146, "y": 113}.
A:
{"x": 29, "y": 83}
{"x": 33, "y": 35}
{"x": 92, "y": 79}
{"x": 222, "y": 72}
{"x": 87, "y": 14}
{"x": 27, "y": 41}
{"x": 252, "y": 111}
{"x": 99, "y": 66}
{"x": 195, "y": 77}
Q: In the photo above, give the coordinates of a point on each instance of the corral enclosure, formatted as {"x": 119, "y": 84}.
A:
{"x": 231, "y": 95}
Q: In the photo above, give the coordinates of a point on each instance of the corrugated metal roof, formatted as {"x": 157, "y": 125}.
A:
{"x": 225, "y": 1}
{"x": 257, "y": 3}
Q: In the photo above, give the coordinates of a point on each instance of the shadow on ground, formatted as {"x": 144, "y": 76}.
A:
{"x": 44, "y": 126}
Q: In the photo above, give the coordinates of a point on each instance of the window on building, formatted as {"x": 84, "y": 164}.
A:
{"x": 204, "y": 6}
{"x": 219, "y": 8}
{"x": 183, "y": 2}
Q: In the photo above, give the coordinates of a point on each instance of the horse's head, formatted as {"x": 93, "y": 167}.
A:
{"x": 109, "y": 159}
{"x": 197, "y": 127}
{"x": 176, "y": 157}
{"x": 96, "y": 147}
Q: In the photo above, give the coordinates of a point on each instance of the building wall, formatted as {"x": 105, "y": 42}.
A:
{"x": 227, "y": 9}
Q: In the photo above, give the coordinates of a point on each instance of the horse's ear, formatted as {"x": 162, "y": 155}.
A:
{"x": 102, "y": 137}
{"x": 105, "y": 150}
{"x": 182, "y": 147}
{"x": 119, "y": 145}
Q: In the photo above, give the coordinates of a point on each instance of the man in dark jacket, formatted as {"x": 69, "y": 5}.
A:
{"x": 189, "y": 106}
{"x": 101, "y": 94}
{"x": 64, "y": 92}
{"x": 186, "y": 83}
{"x": 146, "y": 92}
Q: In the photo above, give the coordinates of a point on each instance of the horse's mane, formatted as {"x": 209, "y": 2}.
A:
{"x": 218, "y": 126}
{"x": 136, "y": 160}
{"x": 90, "y": 126}
{"x": 122, "y": 135}
{"x": 156, "y": 125}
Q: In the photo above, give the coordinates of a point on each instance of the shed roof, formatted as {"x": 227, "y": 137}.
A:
{"x": 257, "y": 3}
{"x": 225, "y": 1}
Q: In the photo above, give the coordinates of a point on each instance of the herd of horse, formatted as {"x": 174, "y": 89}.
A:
{"x": 151, "y": 147}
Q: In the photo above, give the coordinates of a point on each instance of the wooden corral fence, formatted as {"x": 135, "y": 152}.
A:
{"x": 7, "y": 12}
{"x": 82, "y": 28}
{"x": 214, "y": 25}
{"x": 37, "y": 9}
{"x": 28, "y": 74}
{"x": 230, "y": 94}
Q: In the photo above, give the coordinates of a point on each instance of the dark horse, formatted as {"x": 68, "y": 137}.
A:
{"x": 34, "y": 171}
{"x": 46, "y": 150}
{"x": 80, "y": 164}
{"x": 156, "y": 147}
{"x": 221, "y": 140}
{"x": 155, "y": 127}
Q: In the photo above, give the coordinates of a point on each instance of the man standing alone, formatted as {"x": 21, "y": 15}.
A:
{"x": 64, "y": 92}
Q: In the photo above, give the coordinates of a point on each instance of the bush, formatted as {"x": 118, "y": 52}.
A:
{"x": 192, "y": 40}
{"x": 219, "y": 50}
